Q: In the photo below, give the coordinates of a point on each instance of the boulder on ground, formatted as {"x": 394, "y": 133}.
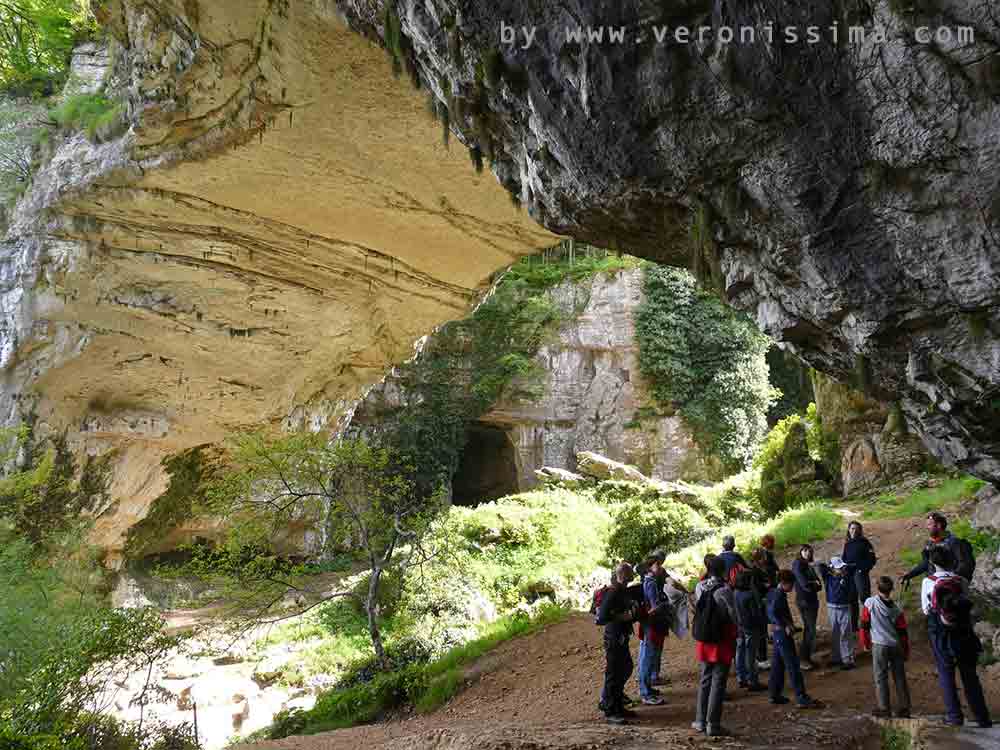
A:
{"x": 601, "y": 467}
{"x": 268, "y": 672}
{"x": 552, "y": 476}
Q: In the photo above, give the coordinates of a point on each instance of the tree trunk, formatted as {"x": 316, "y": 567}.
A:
{"x": 371, "y": 609}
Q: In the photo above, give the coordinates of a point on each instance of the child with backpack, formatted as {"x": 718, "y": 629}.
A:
{"x": 782, "y": 629}
{"x": 944, "y": 599}
{"x": 883, "y": 632}
{"x": 752, "y": 622}
{"x": 714, "y": 630}
{"x": 839, "y": 585}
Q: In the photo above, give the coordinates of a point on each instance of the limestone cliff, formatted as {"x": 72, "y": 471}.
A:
{"x": 845, "y": 193}
{"x": 281, "y": 220}
{"x": 279, "y": 223}
{"x": 592, "y": 398}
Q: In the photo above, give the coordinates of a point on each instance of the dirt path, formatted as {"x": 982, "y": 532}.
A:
{"x": 542, "y": 693}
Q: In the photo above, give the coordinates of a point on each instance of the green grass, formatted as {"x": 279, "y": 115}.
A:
{"x": 426, "y": 687}
{"x": 790, "y": 529}
{"x": 983, "y": 542}
{"x": 919, "y": 502}
{"x": 893, "y": 738}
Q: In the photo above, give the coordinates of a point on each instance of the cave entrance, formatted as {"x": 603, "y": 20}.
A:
{"x": 487, "y": 468}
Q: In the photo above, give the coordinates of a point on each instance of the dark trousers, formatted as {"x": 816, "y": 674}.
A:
{"x": 809, "y": 616}
{"x": 784, "y": 657}
{"x": 711, "y": 694}
{"x": 617, "y": 670}
{"x": 863, "y": 588}
{"x": 958, "y": 651}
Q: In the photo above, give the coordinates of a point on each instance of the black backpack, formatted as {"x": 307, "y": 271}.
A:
{"x": 965, "y": 559}
{"x": 709, "y": 617}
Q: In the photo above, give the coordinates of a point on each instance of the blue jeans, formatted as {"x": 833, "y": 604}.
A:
{"x": 784, "y": 656}
{"x": 747, "y": 645}
{"x": 957, "y": 650}
{"x": 649, "y": 656}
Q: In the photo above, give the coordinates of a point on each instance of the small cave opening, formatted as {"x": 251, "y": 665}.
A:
{"x": 487, "y": 468}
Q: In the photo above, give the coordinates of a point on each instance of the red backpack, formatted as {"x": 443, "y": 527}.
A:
{"x": 949, "y": 601}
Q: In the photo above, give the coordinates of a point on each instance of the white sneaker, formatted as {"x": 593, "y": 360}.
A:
{"x": 806, "y": 666}
{"x": 763, "y": 665}
{"x": 654, "y": 701}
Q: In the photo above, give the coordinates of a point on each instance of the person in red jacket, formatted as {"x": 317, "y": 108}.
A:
{"x": 716, "y": 656}
{"x": 883, "y": 632}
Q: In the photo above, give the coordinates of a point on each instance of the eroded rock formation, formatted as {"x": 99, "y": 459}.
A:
{"x": 279, "y": 224}
{"x": 592, "y": 398}
{"x": 845, "y": 193}
{"x": 281, "y": 220}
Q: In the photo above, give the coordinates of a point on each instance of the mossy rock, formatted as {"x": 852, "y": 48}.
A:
{"x": 797, "y": 464}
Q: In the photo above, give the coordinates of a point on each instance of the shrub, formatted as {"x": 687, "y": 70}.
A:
{"x": 640, "y": 527}
{"x": 390, "y": 592}
{"x": 95, "y": 114}
{"x": 918, "y": 502}
{"x": 706, "y": 360}
{"x": 614, "y": 491}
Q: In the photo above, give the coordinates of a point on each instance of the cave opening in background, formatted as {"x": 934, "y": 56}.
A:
{"x": 487, "y": 468}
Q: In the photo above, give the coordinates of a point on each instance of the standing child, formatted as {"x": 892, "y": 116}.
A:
{"x": 752, "y": 622}
{"x": 782, "y": 629}
{"x": 883, "y": 632}
{"x": 839, "y": 585}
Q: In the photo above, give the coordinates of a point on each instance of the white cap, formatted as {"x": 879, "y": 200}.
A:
{"x": 836, "y": 563}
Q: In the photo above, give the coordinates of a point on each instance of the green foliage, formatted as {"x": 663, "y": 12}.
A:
{"x": 894, "y": 738}
{"x": 640, "y": 527}
{"x": 390, "y": 593}
{"x": 191, "y": 473}
{"x": 46, "y": 497}
{"x": 37, "y": 40}
{"x": 18, "y": 135}
{"x": 983, "y": 542}
{"x": 470, "y": 364}
{"x": 707, "y": 361}
{"x": 424, "y": 686}
{"x": 948, "y": 494}
{"x": 94, "y": 114}
{"x": 737, "y": 497}
{"x": 615, "y": 491}
{"x": 793, "y": 527}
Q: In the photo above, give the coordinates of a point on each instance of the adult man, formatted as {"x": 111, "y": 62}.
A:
{"x": 730, "y": 556}
{"x": 715, "y": 610}
{"x": 616, "y": 613}
{"x": 807, "y": 588}
{"x": 654, "y": 629}
{"x": 961, "y": 552}
{"x": 782, "y": 629}
{"x": 953, "y": 641}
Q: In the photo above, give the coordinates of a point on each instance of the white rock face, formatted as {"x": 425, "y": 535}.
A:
{"x": 594, "y": 392}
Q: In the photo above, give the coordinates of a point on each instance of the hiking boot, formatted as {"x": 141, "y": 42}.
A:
{"x": 615, "y": 719}
{"x": 847, "y": 666}
{"x": 984, "y": 724}
{"x": 717, "y": 731}
{"x": 653, "y": 700}
{"x": 779, "y": 700}
{"x": 698, "y": 726}
{"x": 810, "y": 703}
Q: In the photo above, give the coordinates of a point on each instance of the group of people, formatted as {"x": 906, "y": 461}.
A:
{"x": 740, "y": 607}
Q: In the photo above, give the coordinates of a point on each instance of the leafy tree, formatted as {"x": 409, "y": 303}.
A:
{"x": 365, "y": 495}
{"x": 36, "y": 42}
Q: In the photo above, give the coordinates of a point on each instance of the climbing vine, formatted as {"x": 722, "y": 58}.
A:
{"x": 706, "y": 361}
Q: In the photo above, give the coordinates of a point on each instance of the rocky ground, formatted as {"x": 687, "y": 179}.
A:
{"x": 541, "y": 693}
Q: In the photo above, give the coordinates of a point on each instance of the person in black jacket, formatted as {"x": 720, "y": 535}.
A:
{"x": 807, "y": 588}
{"x": 617, "y": 613}
{"x": 937, "y": 530}
{"x": 860, "y": 555}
